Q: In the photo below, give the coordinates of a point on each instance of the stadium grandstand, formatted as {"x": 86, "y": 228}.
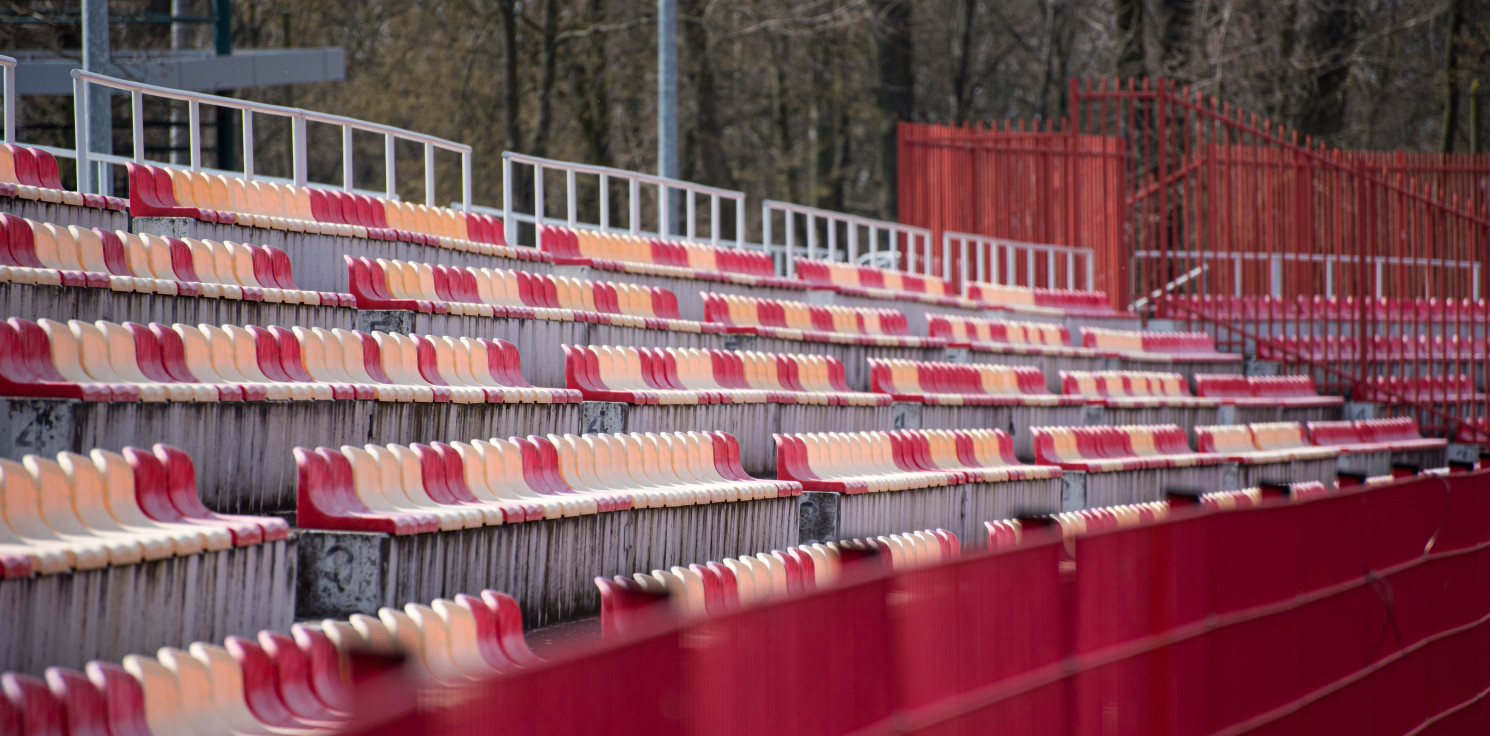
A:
{"x": 288, "y": 456}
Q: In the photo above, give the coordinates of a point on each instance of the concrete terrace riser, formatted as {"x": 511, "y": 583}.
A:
{"x": 316, "y": 260}
{"x": 64, "y": 214}
{"x": 63, "y": 303}
{"x": 1297, "y": 471}
{"x": 548, "y": 566}
{"x": 243, "y": 450}
{"x": 1016, "y": 420}
{"x": 751, "y": 424}
{"x": 960, "y": 509}
{"x": 1089, "y": 490}
{"x": 136, "y": 609}
{"x": 690, "y": 304}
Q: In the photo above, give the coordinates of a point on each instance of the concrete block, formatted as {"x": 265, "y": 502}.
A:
{"x": 1226, "y": 414}
{"x": 341, "y": 572}
{"x": 817, "y": 514}
{"x": 1231, "y": 477}
{"x": 906, "y": 415}
{"x": 1358, "y": 410}
{"x": 602, "y": 417}
{"x": 394, "y": 321}
{"x": 1463, "y": 453}
{"x": 1261, "y": 368}
{"x": 37, "y": 427}
{"x": 1073, "y": 490}
{"x": 1093, "y": 415}
{"x": 169, "y": 227}
{"x": 958, "y": 355}
{"x": 739, "y": 342}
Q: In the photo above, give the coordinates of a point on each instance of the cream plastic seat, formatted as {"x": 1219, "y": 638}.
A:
{"x": 434, "y": 644}
{"x": 412, "y": 478}
{"x": 163, "y": 709}
{"x": 119, "y": 495}
{"x": 20, "y": 502}
{"x": 57, "y": 510}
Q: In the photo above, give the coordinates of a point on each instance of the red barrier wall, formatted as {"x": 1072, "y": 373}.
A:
{"x": 1361, "y": 613}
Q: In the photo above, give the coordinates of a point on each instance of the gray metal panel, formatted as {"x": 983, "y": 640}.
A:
{"x": 41, "y": 74}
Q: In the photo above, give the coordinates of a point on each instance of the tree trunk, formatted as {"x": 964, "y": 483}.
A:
{"x": 897, "y": 90}
{"x": 704, "y": 135}
{"x": 546, "y": 84}
{"x": 1451, "y": 77}
{"x": 1129, "y": 16}
{"x": 1328, "y": 43}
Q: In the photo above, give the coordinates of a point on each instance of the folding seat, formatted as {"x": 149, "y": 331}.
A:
{"x": 29, "y": 707}
{"x": 27, "y": 528}
{"x": 84, "y": 709}
{"x": 58, "y": 511}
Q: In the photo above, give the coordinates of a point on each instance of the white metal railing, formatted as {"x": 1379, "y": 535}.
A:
{"x": 8, "y": 71}
{"x": 634, "y": 181}
{"x": 298, "y": 118}
{"x": 1276, "y": 263}
{"x": 985, "y": 253}
{"x": 872, "y": 249}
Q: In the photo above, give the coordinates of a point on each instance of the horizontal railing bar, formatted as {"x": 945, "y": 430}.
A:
{"x": 598, "y": 170}
{"x": 268, "y": 109}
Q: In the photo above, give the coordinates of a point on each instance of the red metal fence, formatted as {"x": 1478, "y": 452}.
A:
{"x": 1034, "y": 186}
{"x": 1359, "y": 613}
{"x": 1365, "y": 269}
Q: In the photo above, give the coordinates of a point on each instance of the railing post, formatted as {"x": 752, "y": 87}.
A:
{"x": 692, "y": 205}
{"x": 248, "y": 145}
{"x": 571, "y": 192}
{"x": 790, "y": 242}
{"x": 136, "y": 123}
{"x": 297, "y": 149}
{"x": 10, "y": 104}
{"x": 604, "y": 201}
{"x": 853, "y": 242}
{"x": 664, "y": 212}
{"x": 347, "y": 169}
{"x": 390, "y": 165}
{"x": 429, "y": 174}
{"x": 740, "y": 222}
{"x": 80, "y": 131}
{"x": 508, "y": 221}
{"x": 714, "y": 225}
{"x": 467, "y": 191}
{"x": 194, "y": 121}
{"x": 766, "y": 244}
{"x": 538, "y": 206}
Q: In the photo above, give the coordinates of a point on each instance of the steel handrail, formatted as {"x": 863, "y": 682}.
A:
{"x": 982, "y": 270}
{"x": 788, "y": 247}
{"x": 298, "y": 118}
{"x": 635, "y": 180}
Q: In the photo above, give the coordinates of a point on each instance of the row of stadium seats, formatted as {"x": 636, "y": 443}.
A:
{"x": 41, "y": 253}
{"x": 717, "y": 588}
{"x": 171, "y": 192}
{"x": 1005, "y": 533}
{"x": 87, "y": 512}
{"x": 1302, "y": 307}
{"x": 1334, "y": 348}
{"x": 880, "y": 283}
{"x": 401, "y": 490}
{"x": 495, "y": 292}
{"x": 694, "y": 376}
{"x": 296, "y": 682}
{"x": 1269, "y": 442}
{"x": 1174, "y": 346}
{"x": 106, "y": 361}
{"x": 1066, "y": 302}
{"x": 1263, "y": 390}
{"x": 1398, "y": 434}
{"x": 868, "y": 462}
{"x": 1039, "y": 337}
{"x": 962, "y": 384}
{"x": 637, "y": 255}
{"x": 1442, "y": 389}
{"x": 1131, "y": 389}
{"x": 31, "y": 173}
{"x": 816, "y": 323}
